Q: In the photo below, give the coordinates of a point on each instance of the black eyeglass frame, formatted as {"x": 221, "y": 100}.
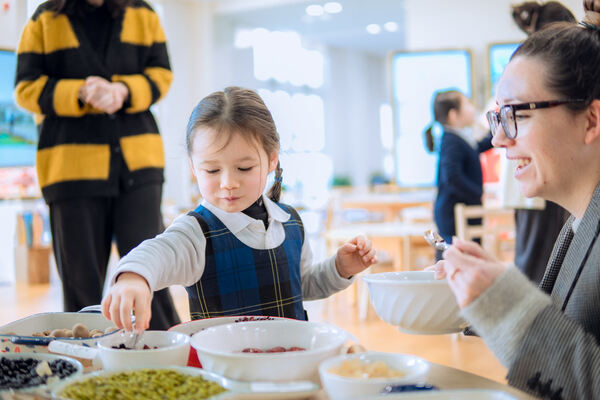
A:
{"x": 497, "y": 118}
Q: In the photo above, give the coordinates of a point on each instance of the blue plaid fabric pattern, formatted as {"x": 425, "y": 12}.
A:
{"x": 240, "y": 280}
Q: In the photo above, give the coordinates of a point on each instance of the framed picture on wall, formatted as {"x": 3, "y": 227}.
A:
{"x": 416, "y": 76}
{"x": 18, "y": 137}
{"x": 498, "y": 56}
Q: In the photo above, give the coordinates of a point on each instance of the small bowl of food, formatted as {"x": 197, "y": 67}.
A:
{"x": 415, "y": 301}
{"x": 277, "y": 351}
{"x": 37, "y": 372}
{"x": 362, "y": 374}
{"x": 153, "y": 348}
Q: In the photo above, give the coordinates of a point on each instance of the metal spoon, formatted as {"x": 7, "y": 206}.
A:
{"x": 434, "y": 239}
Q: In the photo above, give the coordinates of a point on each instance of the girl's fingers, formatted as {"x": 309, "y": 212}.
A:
{"x": 115, "y": 311}
{"x": 126, "y": 314}
{"x": 106, "y": 306}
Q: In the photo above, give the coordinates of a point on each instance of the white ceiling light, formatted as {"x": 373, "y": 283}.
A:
{"x": 332, "y": 7}
{"x": 373, "y": 29}
{"x": 390, "y": 26}
{"x": 314, "y": 10}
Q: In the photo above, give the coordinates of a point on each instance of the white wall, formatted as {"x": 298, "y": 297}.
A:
{"x": 470, "y": 24}
{"x": 189, "y": 31}
{"x": 355, "y": 90}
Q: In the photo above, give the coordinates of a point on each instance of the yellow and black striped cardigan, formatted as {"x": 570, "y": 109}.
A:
{"x": 81, "y": 149}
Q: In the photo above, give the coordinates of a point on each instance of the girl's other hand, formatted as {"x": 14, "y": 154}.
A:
{"x": 130, "y": 293}
{"x": 470, "y": 270}
{"x": 355, "y": 256}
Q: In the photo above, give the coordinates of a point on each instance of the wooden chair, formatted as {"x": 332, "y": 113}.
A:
{"x": 497, "y": 229}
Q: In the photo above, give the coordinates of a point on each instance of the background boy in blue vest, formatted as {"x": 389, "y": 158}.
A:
{"x": 240, "y": 252}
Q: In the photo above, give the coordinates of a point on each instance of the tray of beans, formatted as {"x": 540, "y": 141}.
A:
{"x": 32, "y": 334}
{"x": 37, "y": 372}
{"x": 145, "y": 383}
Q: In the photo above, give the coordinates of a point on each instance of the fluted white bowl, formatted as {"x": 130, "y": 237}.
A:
{"x": 220, "y": 347}
{"x": 415, "y": 301}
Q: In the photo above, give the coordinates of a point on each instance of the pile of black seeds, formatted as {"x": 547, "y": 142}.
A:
{"x": 20, "y": 373}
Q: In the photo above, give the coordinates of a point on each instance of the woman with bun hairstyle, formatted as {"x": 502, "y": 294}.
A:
{"x": 548, "y": 120}
{"x": 459, "y": 177}
{"x": 537, "y": 222}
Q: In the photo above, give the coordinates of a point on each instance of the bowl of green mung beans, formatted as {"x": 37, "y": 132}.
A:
{"x": 150, "y": 383}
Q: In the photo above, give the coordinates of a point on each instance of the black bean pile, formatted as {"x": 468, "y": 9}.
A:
{"x": 20, "y": 373}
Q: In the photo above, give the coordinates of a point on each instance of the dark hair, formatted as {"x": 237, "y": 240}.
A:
{"x": 237, "y": 110}
{"x": 571, "y": 54}
{"x": 443, "y": 102}
{"x": 72, "y": 7}
{"x": 532, "y": 16}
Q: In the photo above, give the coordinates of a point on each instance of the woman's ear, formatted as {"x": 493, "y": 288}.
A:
{"x": 273, "y": 160}
{"x": 592, "y": 132}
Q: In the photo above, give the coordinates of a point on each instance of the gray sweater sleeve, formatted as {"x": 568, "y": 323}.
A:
{"x": 505, "y": 311}
{"x": 175, "y": 257}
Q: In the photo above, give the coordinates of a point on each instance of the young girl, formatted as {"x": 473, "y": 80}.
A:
{"x": 240, "y": 252}
{"x": 459, "y": 171}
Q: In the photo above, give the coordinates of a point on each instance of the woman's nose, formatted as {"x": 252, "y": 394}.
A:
{"x": 499, "y": 138}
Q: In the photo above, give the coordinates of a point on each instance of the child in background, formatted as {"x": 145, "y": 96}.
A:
{"x": 459, "y": 177}
{"x": 240, "y": 252}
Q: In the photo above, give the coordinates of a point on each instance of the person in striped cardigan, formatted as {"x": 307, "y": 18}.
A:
{"x": 89, "y": 71}
{"x": 548, "y": 120}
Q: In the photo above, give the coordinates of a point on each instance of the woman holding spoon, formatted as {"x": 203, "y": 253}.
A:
{"x": 548, "y": 120}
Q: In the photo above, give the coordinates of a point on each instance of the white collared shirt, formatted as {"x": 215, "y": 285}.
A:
{"x": 177, "y": 256}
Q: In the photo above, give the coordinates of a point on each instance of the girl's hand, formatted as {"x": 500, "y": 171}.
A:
{"x": 355, "y": 256}
{"x": 469, "y": 269}
{"x": 130, "y": 293}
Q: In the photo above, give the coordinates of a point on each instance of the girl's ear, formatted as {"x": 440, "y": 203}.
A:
{"x": 273, "y": 160}
{"x": 452, "y": 117}
{"x": 592, "y": 132}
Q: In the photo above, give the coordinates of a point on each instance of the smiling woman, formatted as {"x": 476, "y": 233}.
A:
{"x": 549, "y": 121}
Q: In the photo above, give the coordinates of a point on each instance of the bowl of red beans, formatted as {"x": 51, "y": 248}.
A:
{"x": 271, "y": 351}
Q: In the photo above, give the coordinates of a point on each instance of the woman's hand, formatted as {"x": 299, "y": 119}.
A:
{"x": 355, "y": 256}
{"x": 104, "y": 95}
{"x": 469, "y": 269}
{"x": 130, "y": 293}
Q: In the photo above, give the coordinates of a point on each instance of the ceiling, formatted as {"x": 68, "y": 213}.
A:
{"x": 346, "y": 29}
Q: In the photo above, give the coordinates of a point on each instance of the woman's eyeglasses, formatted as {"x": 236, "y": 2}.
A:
{"x": 507, "y": 115}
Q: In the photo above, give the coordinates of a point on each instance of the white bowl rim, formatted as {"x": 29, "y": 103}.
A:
{"x": 175, "y": 328}
{"x": 208, "y": 375}
{"x": 424, "y": 365}
{"x": 266, "y": 356}
{"x": 185, "y": 340}
{"x": 382, "y": 278}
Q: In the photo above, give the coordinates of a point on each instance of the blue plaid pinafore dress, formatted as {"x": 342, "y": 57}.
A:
{"x": 241, "y": 280}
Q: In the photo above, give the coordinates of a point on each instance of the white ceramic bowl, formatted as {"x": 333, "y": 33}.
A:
{"x": 340, "y": 387}
{"x": 219, "y": 349}
{"x": 415, "y": 301}
{"x": 48, "y": 358}
{"x": 172, "y": 349}
{"x": 191, "y": 327}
